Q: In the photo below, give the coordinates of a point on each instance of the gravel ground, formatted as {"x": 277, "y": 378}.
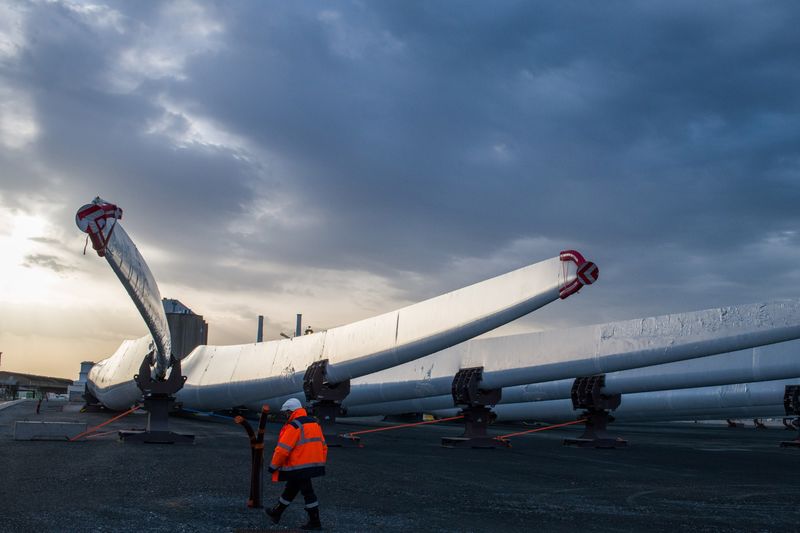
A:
{"x": 672, "y": 477}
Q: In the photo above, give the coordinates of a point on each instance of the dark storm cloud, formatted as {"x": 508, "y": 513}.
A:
{"x": 45, "y": 240}
{"x": 596, "y": 124}
{"x": 398, "y": 137}
{"x": 95, "y": 139}
{"x": 47, "y": 261}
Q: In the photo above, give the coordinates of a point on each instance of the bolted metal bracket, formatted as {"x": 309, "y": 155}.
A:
{"x": 466, "y": 389}
{"x": 791, "y": 399}
{"x": 474, "y": 402}
{"x": 317, "y": 388}
{"x": 158, "y": 402}
{"x": 326, "y": 402}
{"x": 791, "y": 405}
{"x": 587, "y": 394}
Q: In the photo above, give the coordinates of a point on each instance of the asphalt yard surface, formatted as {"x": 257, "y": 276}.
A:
{"x": 671, "y": 477}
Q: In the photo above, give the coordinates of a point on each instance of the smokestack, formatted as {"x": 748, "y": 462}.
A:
{"x": 298, "y": 328}
{"x": 260, "y": 334}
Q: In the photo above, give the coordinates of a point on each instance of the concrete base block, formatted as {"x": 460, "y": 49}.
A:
{"x": 28, "y": 430}
{"x": 6, "y": 405}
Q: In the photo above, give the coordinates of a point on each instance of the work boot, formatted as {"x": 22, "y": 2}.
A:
{"x": 313, "y": 520}
{"x": 275, "y": 513}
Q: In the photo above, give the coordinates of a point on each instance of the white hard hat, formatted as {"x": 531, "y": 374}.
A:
{"x": 291, "y": 404}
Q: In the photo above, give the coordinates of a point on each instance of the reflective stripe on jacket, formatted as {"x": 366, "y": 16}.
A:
{"x": 301, "y": 451}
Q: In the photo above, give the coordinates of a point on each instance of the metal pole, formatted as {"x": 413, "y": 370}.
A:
{"x": 260, "y": 334}
{"x": 298, "y": 327}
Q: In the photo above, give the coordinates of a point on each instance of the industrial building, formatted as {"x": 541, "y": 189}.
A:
{"x": 14, "y": 385}
{"x": 78, "y": 387}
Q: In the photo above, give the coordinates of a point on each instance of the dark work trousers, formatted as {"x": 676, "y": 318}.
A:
{"x": 293, "y": 486}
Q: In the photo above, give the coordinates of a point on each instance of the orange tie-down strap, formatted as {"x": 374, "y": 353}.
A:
{"x": 92, "y": 430}
{"x": 545, "y": 428}
{"x": 499, "y": 437}
{"x": 401, "y": 426}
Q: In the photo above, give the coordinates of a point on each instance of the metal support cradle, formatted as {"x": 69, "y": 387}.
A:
{"x": 587, "y": 395}
{"x": 159, "y": 401}
{"x": 791, "y": 404}
{"x": 474, "y": 402}
{"x": 326, "y": 402}
{"x": 91, "y": 403}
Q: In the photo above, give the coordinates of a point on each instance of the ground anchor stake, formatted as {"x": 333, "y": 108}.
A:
{"x": 256, "y": 456}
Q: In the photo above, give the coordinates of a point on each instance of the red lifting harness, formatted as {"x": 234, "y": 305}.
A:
{"x": 98, "y": 220}
{"x": 586, "y": 275}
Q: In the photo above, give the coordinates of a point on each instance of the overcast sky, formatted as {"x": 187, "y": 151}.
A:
{"x": 342, "y": 159}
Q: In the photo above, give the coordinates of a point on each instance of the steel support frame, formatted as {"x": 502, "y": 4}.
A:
{"x": 91, "y": 404}
{"x": 587, "y": 394}
{"x": 475, "y": 405}
{"x": 159, "y": 401}
{"x": 326, "y": 402}
{"x": 791, "y": 404}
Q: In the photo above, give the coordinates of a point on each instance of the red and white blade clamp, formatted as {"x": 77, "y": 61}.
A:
{"x": 586, "y": 275}
{"x": 98, "y": 220}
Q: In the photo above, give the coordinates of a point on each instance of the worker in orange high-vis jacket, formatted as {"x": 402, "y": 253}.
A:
{"x": 300, "y": 455}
